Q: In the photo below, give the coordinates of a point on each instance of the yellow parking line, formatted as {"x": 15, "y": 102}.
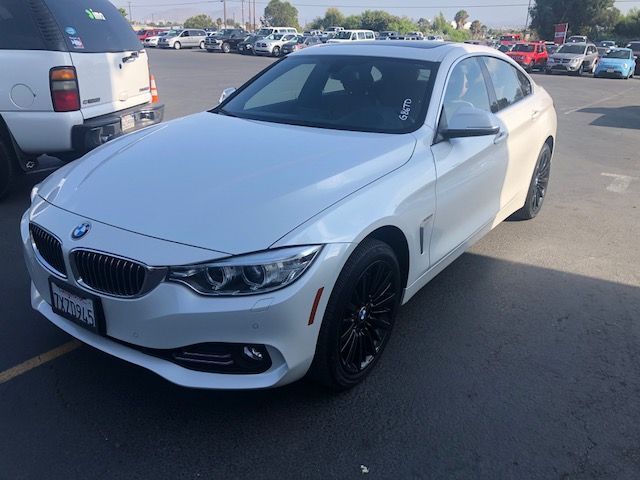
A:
{"x": 41, "y": 359}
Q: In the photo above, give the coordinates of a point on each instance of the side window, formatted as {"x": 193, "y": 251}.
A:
{"x": 505, "y": 83}
{"x": 525, "y": 84}
{"x": 369, "y": 35}
{"x": 17, "y": 28}
{"x": 465, "y": 87}
{"x": 361, "y": 36}
{"x": 185, "y": 33}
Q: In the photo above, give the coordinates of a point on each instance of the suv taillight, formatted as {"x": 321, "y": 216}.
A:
{"x": 64, "y": 89}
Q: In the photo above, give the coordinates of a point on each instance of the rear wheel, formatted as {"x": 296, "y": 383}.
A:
{"x": 177, "y": 46}
{"x": 202, "y": 45}
{"x": 359, "y": 317}
{"x": 7, "y": 167}
{"x": 538, "y": 186}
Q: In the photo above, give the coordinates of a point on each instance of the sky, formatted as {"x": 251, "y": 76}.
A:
{"x": 494, "y": 13}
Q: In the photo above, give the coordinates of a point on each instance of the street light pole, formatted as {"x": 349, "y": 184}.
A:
{"x": 526, "y": 23}
{"x": 224, "y": 12}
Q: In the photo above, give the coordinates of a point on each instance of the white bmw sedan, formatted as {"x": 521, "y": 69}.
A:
{"x": 370, "y": 168}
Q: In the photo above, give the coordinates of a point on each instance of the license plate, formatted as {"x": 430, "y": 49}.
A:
{"x": 610, "y": 70}
{"x": 83, "y": 309}
{"x": 127, "y": 122}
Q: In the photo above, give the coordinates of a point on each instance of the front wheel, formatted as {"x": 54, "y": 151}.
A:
{"x": 226, "y": 48}
{"x": 276, "y": 51}
{"x": 359, "y": 316}
{"x": 537, "y": 188}
{"x": 177, "y": 46}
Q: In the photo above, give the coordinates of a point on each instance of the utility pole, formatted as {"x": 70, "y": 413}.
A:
{"x": 224, "y": 12}
{"x": 526, "y": 24}
{"x": 242, "y": 3}
{"x": 255, "y": 21}
{"x": 130, "y": 16}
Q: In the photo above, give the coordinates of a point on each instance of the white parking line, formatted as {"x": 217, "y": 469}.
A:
{"x": 41, "y": 359}
{"x": 602, "y": 100}
{"x": 620, "y": 183}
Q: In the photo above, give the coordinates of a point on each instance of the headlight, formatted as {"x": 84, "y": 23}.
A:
{"x": 247, "y": 274}
{"x": 575, "y": 60}
{"x": 625, "y": 65}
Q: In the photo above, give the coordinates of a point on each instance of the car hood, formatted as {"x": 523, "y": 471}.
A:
{"x": 222, "y": 183}
{"x": 560, "y": 56}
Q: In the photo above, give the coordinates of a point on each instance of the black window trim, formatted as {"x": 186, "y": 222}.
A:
{"x": 492, "y": 87}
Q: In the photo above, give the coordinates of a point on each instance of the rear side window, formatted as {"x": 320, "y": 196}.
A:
{"x": 18, "y": 30}
{"x": 505, "y": 83}
{"x": 93, "y": 26}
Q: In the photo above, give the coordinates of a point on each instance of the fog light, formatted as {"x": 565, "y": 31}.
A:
{"x": 253, "y": 353}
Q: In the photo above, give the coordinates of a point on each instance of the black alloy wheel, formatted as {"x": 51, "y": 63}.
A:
{"x": 359, "y": 316}
{"x": 538, "y": 187}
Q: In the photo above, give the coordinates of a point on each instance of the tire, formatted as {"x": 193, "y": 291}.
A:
{"x": 537, "y": 188}
{"x": 177, "y": 46}
{"x": 580, "y": 71}
{"x": 276, "y": 51}
{"x": 548, "y": 71}
{"x": 352, "y": 339}
{"x": 226, "y": 48}
{"x": 202, "y": 45}
{"x": 7, "y": 167}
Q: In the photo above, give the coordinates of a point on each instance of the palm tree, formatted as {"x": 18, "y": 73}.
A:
{"x": 461, "y": 19}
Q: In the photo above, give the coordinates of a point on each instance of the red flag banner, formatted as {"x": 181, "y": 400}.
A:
{"x": 561, "y": 33}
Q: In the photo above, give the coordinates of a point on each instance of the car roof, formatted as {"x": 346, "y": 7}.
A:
{"x": 432, "y": 51}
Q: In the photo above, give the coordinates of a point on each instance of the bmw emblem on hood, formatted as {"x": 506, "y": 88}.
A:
{"x": 80, "y": 231}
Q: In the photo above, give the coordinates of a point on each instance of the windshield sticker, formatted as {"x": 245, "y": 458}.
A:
{"x": 406, "y": 110}
{"x": 77, "y": 43}
{"x": 70, "y": 31}
{"x": 95, "y": 15}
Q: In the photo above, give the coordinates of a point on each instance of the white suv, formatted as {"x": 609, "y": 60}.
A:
{"x": 74, "y": 77}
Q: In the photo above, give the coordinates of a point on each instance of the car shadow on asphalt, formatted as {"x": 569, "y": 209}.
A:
{"x": 616, "y": 117}
{"x": 493, "y": 358}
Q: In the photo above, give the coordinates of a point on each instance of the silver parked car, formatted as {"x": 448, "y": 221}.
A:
{"x": 574, "y": 58}
{"x": 188, "y": 38}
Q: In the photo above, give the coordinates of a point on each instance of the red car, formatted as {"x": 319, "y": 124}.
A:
{"x": 143, "y": 34}
{"x": 510, "y": 39}
{"x": 530, "y": 55}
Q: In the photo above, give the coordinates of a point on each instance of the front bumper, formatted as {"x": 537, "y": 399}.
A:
{"x": 96, "y": 131}
{"x": 213, "y": 47}
{"x": 563, "y": 67}
{"x": 614, "y": 73}
{"x": 172, "y": 316}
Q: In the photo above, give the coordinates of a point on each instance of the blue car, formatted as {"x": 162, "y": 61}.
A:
{"x": 618, "y": 63}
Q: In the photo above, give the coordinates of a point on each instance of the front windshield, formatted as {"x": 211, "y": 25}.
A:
{"x": 366, "y": 94}
{"x": 575, "y": 49}
{"x": 343, "y": 35}
{"x": 622, "y": 54}
{"x": 521, "y": 47}
{"x": 299, "y": 39}
{"x": 275, "y": 37}
{"x": 264, "y": 32}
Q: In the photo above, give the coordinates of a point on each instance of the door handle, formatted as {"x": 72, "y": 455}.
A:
{"x": 500, "y": 137}
{"x": 535, "y": 114}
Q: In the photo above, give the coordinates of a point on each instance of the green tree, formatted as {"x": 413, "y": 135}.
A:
{"x": 581, "y": 15}
{"x": 352, "y": 22}
{"x": 199, "y": 21}
{"x": 123, "y": 12}
{"x": 219, "y": 22}
{"x": 424, "y": 25}
{"x": 403, "y": 25}
{"x": 461, "y": 19}
{"x": 440, "y": 24}
{"x": 376, "y": 20}
{"x": 476, "y": 29}
{"x": 281, "y": 14}
{"x": 628, "y": 26}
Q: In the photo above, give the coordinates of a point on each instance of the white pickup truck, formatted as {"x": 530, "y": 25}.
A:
{"x": 74, "y": 76}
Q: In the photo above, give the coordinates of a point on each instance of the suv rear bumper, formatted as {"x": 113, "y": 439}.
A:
{"x": 96, "y": 131}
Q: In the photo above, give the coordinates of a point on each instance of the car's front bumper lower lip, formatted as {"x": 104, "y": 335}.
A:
{"x": 172, "y": 316}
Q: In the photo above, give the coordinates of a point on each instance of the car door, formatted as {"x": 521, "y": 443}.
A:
{"x": 519, "y": 110}
{"x": 592, "y": 55}
{"x": 470, "y": 171}
{"x": 184, "y": 39}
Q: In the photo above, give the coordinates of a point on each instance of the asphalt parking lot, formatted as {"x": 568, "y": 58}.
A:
{"x": 521, "y": 360}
